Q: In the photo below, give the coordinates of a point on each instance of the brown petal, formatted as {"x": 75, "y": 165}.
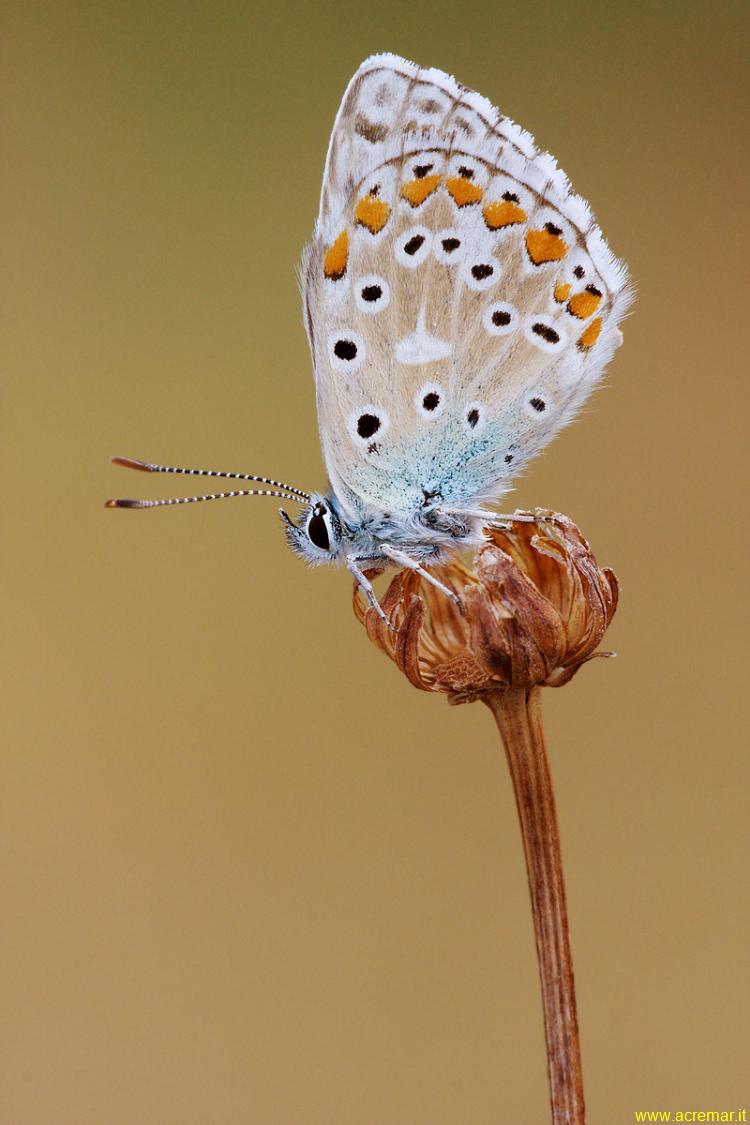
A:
{"x": 406, "y": 652}
{"x": 535, "y": 606}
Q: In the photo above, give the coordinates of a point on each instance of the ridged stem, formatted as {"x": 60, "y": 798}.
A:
{"x": 519, "y": 719}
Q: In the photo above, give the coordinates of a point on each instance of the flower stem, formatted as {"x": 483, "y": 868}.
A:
{"x": 519, "y": 718}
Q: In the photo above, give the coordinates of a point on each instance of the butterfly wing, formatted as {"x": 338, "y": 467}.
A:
{"x": 460, "y": 300}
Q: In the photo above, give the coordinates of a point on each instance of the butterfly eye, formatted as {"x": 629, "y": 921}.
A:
{"x": 413, "y": 247}
{"x": 482, "y": 275}
{"x": 346, "y": 351}
{"x": 317, "y": 528}
{"x": 474, "y": 418}
{"x": 544, "y": 333}
{"x": 500, "y": 318}
{"x": 430, "y": 401}
{"x": 373, "y": 294}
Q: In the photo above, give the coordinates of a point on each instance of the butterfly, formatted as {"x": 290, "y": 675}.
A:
{"x": 460, "y": 305}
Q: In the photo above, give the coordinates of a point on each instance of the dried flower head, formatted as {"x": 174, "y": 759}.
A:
{"x": 535, "y": 606}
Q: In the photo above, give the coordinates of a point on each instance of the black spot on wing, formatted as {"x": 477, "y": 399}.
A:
{"x": 345, "y": 349}
{"x": 368, "y": 425}
{"x": 414, "y": 244}
{"x": 546, "y": 333}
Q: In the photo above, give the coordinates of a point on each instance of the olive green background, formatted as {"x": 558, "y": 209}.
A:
{"x": 247, "y": 873}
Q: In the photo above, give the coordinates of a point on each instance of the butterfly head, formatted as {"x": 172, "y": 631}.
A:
{"x": 318, "y": 535}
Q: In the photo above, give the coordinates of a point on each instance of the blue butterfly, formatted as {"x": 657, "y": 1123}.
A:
{"x": 460, "y": 303}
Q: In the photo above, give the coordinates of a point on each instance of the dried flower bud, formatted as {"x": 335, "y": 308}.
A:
{"x": 535, "y": 606}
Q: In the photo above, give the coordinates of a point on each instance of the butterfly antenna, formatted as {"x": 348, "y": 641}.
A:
{"x": 148, "y": 467}
{"x": 283, "y": 491}
{"x": 197, "y": 499}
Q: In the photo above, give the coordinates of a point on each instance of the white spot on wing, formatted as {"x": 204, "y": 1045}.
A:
{"x": 500, "y": 319}
{"x": 538, "y": 405}
{"x": 420, "y": 346}
{"x": 481, "y": 274}
{"x": 372, "y": 294}
{"x": 346, "y": 351}
{"x": 451, "y": 253}
{"x": 367, "y": 412}
{"x": 413, "y": 246}
{"x": 474, "y": 418}
{"x": 545, "y": 333}
{"x": 430, "y": 401}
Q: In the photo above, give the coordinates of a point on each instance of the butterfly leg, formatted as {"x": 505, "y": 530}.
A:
{"x": 365, "y": 585}
{"x": 403, "y": 560}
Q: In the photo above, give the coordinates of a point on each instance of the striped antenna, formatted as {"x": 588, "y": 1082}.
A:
{"x": 283, "y": 491}
{"x": 148, "y": 467}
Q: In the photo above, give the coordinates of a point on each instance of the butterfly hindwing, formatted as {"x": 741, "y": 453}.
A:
{"x": 461, "y": 302}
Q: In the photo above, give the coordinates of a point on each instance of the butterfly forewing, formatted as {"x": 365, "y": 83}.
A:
{"x": 461, "y": 302}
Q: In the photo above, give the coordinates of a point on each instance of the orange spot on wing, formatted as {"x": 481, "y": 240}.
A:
{"x": 416, "y": 191}
{"x": 590, "y": 335}
{"x": 372, "y": 213}
{"x": 503, "y": 213}
{"x": 337, "y": 256}
{"x": 543, "y": 246}
{"x": 562, "y": 289}
{"x": 583, "y": 305}
{"x": 462, "y": 191}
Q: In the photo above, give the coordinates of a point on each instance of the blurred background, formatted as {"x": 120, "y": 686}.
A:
{"x": 247, "y": 873}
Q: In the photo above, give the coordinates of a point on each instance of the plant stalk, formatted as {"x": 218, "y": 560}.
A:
{"x": 519, "y": 718}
